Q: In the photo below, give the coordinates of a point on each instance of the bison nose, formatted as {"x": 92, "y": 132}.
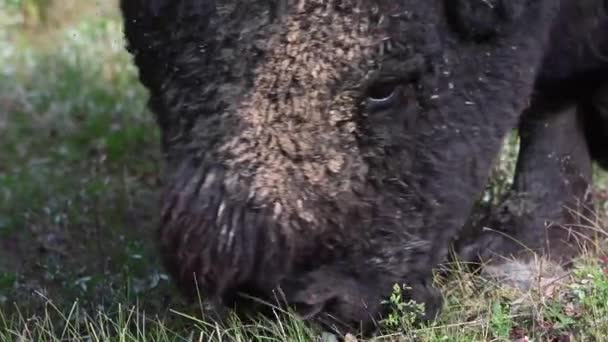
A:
{"x": 212, "y": 230}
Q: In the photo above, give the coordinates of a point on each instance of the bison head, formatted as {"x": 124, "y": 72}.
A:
{"x": 328, "y": 148}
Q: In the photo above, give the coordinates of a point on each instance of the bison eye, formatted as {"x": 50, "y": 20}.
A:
{"x": 382, "y": 95}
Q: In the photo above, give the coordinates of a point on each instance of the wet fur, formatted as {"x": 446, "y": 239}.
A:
{"x": 279, "y": 174}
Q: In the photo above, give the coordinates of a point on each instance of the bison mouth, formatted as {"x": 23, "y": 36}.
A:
{"x": 229, "y": 248}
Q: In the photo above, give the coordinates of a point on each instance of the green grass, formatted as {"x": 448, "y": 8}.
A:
{"x": 78, "y": 193}
{"x": 78, "y": 167}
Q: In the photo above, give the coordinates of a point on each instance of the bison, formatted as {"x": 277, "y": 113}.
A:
{"x": 325, "y": 150}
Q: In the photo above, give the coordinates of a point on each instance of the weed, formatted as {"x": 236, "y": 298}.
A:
{"x": 501, "y": 322}
{"x": 403, "y": 314}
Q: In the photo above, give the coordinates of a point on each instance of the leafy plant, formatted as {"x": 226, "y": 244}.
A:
{"x": 403, "y": 314}
{"x": 501, "y": 322}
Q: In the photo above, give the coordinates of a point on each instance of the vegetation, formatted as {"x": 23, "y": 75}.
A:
{"x": 79, "y": 172}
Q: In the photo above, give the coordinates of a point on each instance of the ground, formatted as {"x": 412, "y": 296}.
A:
{"x": 79, "y": 175}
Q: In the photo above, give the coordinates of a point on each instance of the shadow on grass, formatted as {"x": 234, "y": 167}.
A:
{"x": 79, "y": 172}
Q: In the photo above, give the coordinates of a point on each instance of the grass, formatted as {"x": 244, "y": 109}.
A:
{"x": 78, "y": 168}
{"x": 78, "y": 184}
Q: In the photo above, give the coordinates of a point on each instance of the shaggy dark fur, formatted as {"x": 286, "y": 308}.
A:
{"x": 565, "y": 127}
{"x": 332, "y": 148}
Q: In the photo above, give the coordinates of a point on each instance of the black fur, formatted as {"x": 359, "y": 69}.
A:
{"x": 268, "y": 215}
{"x": 562, "y": 131}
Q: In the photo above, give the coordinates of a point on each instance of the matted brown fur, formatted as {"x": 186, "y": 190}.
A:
{"x": 315, "y": 148}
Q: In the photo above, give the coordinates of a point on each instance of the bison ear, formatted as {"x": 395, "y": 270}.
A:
{"x": 483, "y": 20}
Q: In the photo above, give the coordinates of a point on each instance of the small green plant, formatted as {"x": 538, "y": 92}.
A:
{"x": 560, "y": 319}
{"x": 403, "y": 314}
{"x": 589, "y": 295}
{"x": 501, "y": 322}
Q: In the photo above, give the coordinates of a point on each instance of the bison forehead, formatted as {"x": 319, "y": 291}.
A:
{"x": 290, "y": 94}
